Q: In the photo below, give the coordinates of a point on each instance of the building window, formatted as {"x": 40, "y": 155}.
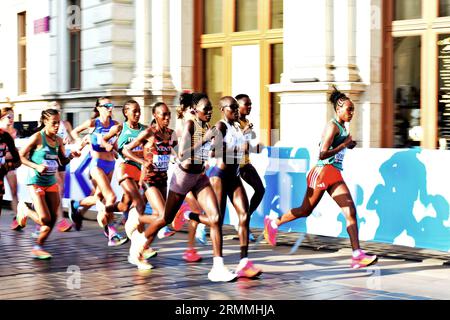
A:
{"x": 444, "y": 8}
{"x": 22, "y": 51}
{"x": 408, "y": 9}
{"x": 246, "y": 15}
{"x": 417, "y": 88}
{"x": 276, "y": 14}
{"x": 75, "y": 53}
{"x": 240, "y": 35}
{"x": 213, "y": 16}
{"x": 213, "y": 78}
{"x": 408, "y": 131}
{"x": 275, "y": 75}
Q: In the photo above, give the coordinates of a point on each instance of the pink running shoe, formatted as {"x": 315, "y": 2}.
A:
{"x": 191, "y": 255}
{"x": 180, "y": 220}
{"x": 15, "y": 225}
{"x": 64, "y": 225}
{"x": 270, "y": 233}
{"x": 363, "y": 260}
{"x": 249, "y": 271}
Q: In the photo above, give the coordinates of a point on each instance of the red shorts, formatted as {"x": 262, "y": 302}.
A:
{"x": 323, "y": 177}
{"x": 128, "y": 171}
{"x": 42, "y": 190}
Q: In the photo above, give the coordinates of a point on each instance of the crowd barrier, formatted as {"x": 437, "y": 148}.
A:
{"x": 401, "y": 195}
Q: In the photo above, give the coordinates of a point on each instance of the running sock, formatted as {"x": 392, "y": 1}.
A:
{"x": 356, "y": 253}
{"x": 242, "y": 263}
{"x": 37, "y": 247}
{"x": 218, "y": 262}
{"x": 273, "y": 224}
{"x": 188, "y": 215}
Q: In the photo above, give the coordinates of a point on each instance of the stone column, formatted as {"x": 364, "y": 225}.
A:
{"x": 307, "y": 40}
{"x": 344, "y": 13}
{"x": 143, "y": 46}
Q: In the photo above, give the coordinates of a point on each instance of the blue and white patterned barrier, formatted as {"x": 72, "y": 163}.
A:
{"x": 401, "y": 195}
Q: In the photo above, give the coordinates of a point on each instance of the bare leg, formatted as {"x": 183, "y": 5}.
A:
{"x": 340, "y": 193}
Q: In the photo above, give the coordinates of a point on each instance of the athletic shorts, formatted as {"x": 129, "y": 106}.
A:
{"x": 161, "y": 186}
{"x": 106, "y": 165}
{"x": 230, "y": 176}
{"x": 62, "y": 168}
{"x": 182, "y": 182}
{"x": 42, "y": 190}
{"x": 128, "y": 171}
{"x": 323, "y": 177}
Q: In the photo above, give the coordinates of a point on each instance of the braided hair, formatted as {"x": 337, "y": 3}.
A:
{"x": 45, "y": 115}
{"x": 126, "y": 105}
{"x": 338, "y": 98}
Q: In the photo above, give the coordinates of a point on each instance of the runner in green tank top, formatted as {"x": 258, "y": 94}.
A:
{"x": 326, "y": 176}
{"x": 130, "y": 171}
{"x": 336, "y": 159}
{"x": 43, "y": 154}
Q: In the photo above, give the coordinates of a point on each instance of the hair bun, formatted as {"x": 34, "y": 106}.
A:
{"x": 336, "y": 95}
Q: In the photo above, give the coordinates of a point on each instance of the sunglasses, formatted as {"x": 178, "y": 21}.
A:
{"x": 107, "y": 105}
{"x": 9, "y": 116}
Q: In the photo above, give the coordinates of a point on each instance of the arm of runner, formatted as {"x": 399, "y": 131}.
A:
{"x": 24, "y": 152}
{"x": 139, "y": 141}
{"x": 82, "y": 127}
{"x": 14, "y": 162}
{"x": 330, "y": 132}
{"x": 113, "y": 132}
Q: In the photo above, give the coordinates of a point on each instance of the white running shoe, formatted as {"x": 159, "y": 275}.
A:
{"x": 165, "y": 232}
{"x": 142, "y": 264}
{"x": 132, "y": 222}
{"x": 221, "y": 274}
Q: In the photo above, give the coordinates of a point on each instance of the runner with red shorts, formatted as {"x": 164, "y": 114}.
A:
{"x": 326, "y": 176}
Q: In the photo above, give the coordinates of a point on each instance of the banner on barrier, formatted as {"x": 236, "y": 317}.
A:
{"x": 401, "y": 195}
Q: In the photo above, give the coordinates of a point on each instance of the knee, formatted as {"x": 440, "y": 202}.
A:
{"x": 243, "y": 218}
{"x": 214, "y": 219}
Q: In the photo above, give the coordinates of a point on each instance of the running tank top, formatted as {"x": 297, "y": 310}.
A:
{"x": 99, "y": 132}
{"x": 234, "y": 140}
{"x": 158, "y": 151}
{"x": 247, "y": 138}
{"x": 47, "y": 155}
{"x": 127, "y": 135}
{"x": 62, "y": 131}
{"x": 338, "y": 158}
{"x": 201, "y": 155}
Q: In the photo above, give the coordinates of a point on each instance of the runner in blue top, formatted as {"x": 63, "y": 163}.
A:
{"x": 102, "y": 167}
{"x": 326, "y": 176}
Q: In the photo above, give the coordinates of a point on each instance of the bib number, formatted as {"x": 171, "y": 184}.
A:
{"x": 161, "y": 162}
{"x": 52, "y": 167}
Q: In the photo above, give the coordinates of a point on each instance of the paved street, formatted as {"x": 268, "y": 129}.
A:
{"x": 309, "y": 273}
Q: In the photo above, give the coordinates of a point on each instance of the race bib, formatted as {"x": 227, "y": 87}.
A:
{"x": 339, "y": 157}
{"x": 203, "y": 152}
{"x": 52, "y": 167}
{"x": 161, "y": 162}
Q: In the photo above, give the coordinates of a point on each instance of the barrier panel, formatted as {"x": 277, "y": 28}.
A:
{"x": 401, "y": 195}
